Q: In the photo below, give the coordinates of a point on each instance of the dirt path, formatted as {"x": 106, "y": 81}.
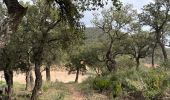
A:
{"x": 75, "y": 94}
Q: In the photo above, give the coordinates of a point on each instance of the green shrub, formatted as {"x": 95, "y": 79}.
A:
{"x": 165, "y": 64}
{"x": 156, "y": 83}
{"x": 2, "y": 84}
{"x": 56, "y": 85}
{"x": 86, "y": 86}
{"x": 150, "y": 84}
{"x": 146, "y": 84}
{"x": 128, "y": 85}
{"x": 117, "y": 89}
{"x": 46, "y": 86}
{"x": 59, "y": 96}
{"x": 101, "y": 83}
{"x": 125, "y": 62}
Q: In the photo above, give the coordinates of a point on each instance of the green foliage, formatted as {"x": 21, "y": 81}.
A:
{"x": 165, "y": 64}
{"x": 151, "y": 84}
{"x": 55, "y": 29}
{"x": 14, "y": 55}
{"x": 76, "y": 63}
{"x": 44, "y": 26}
{"x": 2, "y": 84}
{"x": 155, "y": 84}
{"x": 117, "y": 89}
{"x": 46, "y": 86}
{"x": 146, "y": 84}
{"x": 101, "y": 84}
{"x": 156, "y": 16}
{"x": 86, "y": 86}
{"x": 59, "y": 96}
{"x": 139, "y": 45}
{"x": 56, "y": 85}
{"x": 125, "y": 62}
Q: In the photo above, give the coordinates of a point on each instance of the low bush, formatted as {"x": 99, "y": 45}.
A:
{"x": 117, "y": 89}
{"x": 59, "y": 96}
{"x": 101, "y": 84}
{"x": 147, "y": 84}
{"x": 86, "y": 86}
{"x": 156, "y": 83}
{"x": 125, "y": 62}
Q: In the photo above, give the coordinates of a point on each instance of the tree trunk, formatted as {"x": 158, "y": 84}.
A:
{"x": 110, "y": 61}
{"x": 77, "y": 75}
{"x": 11, "y": 23}
{"x": 163, "y": 51}
{"x": 29, "y": 80}
{"x": 28, "y": 83}
{"x": 161, "y": 44}
{"x": 137, "y": 63}
{"x": 9, "y": 81}
{"x": 37, "y": 53}
{"x": 153, "y": 55}
{"x": 48, "y": 76}
{"x": 15, "y": 13}
{"x": 38, "y": 81}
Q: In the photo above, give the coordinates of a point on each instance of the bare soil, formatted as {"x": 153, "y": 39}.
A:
{"x": 56, "y": 75}
{"x": 76, "y": 95}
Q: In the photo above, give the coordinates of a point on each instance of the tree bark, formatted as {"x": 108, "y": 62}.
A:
{"x": 38, "y": 81}
{"x": 28, "y": 83}
{"x": 161, "y": 44}
{"x": 9, "y": 81}
{"x": 37, "y": 53}
{"x": 163, "y": 51}
{"x": 137, "y": 63}
{"x": 11, "y": 23}
{"x": 153, "y": 55}
{"x": 110, "y": 61}
{"x": 77, "y": 75}
{"x": 48, "y": 76}
{"x": 29, "y": 80}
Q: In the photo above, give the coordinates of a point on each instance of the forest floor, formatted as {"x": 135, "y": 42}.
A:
{"x": 56, "y": 75}
{"x": 61, "y": 87}
{"x": 76, "y": 95}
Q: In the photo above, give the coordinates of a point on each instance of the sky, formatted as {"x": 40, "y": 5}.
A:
{"x": 137, "y": 4}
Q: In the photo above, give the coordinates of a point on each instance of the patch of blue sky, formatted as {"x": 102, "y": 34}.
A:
{"x": 137, "y": 4}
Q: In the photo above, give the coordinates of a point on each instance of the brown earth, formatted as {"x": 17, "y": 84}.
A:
{"x": 76, "y": 95}
{"x": 56, "y": 75}
{"x": 150, "y": 65}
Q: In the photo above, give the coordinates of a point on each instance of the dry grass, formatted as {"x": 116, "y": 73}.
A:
{"x": 61, "y": 76}
{"x": 62, "y": 87}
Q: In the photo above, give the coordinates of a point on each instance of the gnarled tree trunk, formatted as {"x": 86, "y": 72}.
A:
{"x": 163, "y": 51}
{"x": 9, "y": 81}
{"x": 37, "y": 53}
{"x": 110, "y": 61}
{"x": 38, "y": 81}
{"x": 10, "y": 24}
{"x": 161, "y": 44}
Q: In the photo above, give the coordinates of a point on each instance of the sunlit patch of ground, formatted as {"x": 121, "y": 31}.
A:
{"x": 61, "y": 76}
